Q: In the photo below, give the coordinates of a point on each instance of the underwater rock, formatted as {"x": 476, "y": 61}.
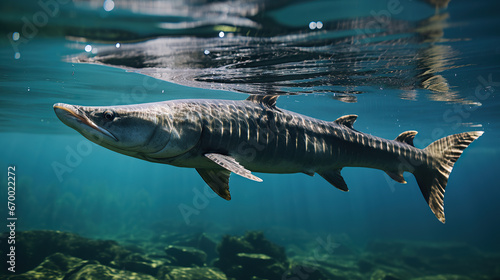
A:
{"x": 434, "y": 250}
{"x": 251, "y": 256}
{"x": 382, "y": 275}
{"x": 309, "y": 272}
{"x": 200, "y": 241}
{"x": 60, "y": 266}
{"x": 252, "y": 242}
{"x": 365, "y": 265}
{"x": 256, "y": 260}
{"x": 138, "y": 263}
{"x": 412, "y": 259}
{"x": 320, "y": 270}
{"x": 421, "y": 258}
{"x": 102, "y": 272}
{"x": 32, "y": 247}
{"x": 134, "y": 248}
{"x": 198, "y": 273}
{"x": 55, "y": 266}
{"x": 208, "y": 246}
{"x": 186, "y": 256}
{"x": 447, "y": 277}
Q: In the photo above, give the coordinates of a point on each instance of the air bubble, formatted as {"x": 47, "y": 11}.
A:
{"x": 108, "y": 5}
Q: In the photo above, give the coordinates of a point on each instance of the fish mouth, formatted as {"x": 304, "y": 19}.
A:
{"x": 66, "y": 112}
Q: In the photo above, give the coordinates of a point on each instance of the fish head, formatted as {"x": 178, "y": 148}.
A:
{"x": 134, "y": 130}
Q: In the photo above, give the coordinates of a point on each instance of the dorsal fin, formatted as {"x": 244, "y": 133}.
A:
{"x": 407, "y": 137}
{"x": 347, "y": 120}
{"x": 269, "y": 100}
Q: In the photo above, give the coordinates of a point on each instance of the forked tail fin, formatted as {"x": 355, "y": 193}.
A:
{"x": 432, "y": 180}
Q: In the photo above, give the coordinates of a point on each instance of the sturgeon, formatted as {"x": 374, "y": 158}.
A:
{"x": 218, "y": 137}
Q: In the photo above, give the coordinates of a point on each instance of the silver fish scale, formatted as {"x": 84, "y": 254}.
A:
{"x": 265, "y": 139}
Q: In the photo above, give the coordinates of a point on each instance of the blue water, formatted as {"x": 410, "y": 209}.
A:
{"x": 407, "y": 67}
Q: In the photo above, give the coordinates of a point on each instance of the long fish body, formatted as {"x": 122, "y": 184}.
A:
{"x": 218, "y": 137}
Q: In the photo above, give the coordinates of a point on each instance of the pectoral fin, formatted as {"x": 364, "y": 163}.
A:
{"x": 217, "y": 180}
{"x": 334, "y": 178}
{"x": 232, "y": 165}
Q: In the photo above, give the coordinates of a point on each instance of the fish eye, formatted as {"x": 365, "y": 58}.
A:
{"x": 109, "y": 115}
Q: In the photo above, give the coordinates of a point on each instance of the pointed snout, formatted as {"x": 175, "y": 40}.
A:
{"x": 76, "y": 118}
{"x": 66, "y": 112}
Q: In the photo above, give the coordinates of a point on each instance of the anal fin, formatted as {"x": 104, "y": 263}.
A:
{"x": 310, "y": 173}
{"x": 229, "y": 163}
{"x": 398, "y": 177}
{"x": 333, "y": 177}
{"x": 217, "y": 180}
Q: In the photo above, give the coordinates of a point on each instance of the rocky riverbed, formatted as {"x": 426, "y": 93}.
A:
{"x": 46, "y": 254}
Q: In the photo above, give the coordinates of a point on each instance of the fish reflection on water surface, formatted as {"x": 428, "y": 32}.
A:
{"x": 261, "y": 54}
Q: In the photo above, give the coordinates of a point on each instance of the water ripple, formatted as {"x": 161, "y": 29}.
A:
{"x": 271, "y": 47}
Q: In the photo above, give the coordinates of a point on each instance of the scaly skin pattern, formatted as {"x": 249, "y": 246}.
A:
{"x": 266, "y": 139}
